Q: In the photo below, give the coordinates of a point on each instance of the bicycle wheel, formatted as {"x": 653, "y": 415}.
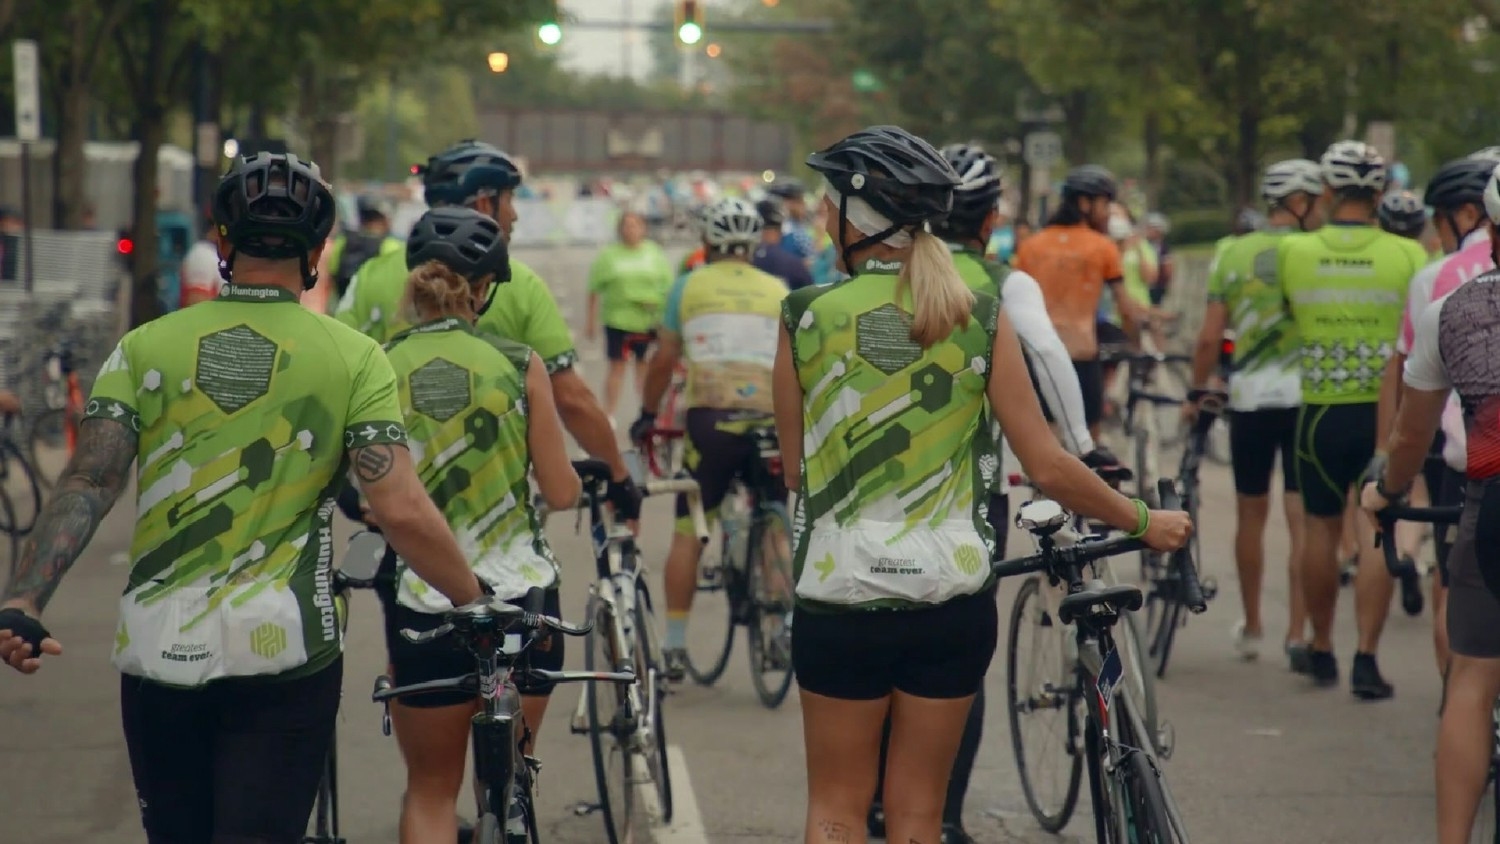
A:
{"x": 21, "y": 485}
{"x": 651, "y": 727}
{"x": 711, "y": 625}
{"x": 1164, "y": 614}
{"x": 1145, "y": 806}
{"x": 770, "y": 591}
{"x": 47, "y": 446}
{"x": 1050, "y": 692}
{"x": 488, "y": 830}
{"x": 610, "y": 725}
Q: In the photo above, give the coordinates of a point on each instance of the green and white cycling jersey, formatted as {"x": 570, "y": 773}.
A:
{"x": 523, "y": 309}
{"x": 245, "y": 407}
{"x": 632, "y": 285}
{"x": 1346, "y": 287}
{"x": 895, "y": 470}
{"x": 1267, "y": 373}
{"x": 464, "y": 398}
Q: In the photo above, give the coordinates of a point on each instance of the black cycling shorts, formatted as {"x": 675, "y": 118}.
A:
{"x": 617, "y": 341}
{"x": 942, "y": 652}
{"x": 1474, "y": 574}
{"x": 237, "y": 761}
{"x": 1334, "y": 445}
{"x": 446, "y": 659}
{"x": 719, "y": 449}
{"x": 1091, "y": 385}
{"x": 1255, "y": 438}
{"x": 1448, "y": 491}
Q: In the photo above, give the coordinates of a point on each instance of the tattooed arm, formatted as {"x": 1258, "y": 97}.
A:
{"x": 412, "y": 524}
{"x": 93, "y": 480}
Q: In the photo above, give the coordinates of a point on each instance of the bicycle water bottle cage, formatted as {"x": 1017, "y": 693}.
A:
{"x": 1042, "y": 517}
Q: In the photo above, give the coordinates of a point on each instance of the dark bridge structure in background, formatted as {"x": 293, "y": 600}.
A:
{"x": 593, "y": 141}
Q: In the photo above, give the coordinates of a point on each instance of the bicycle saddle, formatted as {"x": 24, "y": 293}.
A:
{"x": 592, "y": 471}
{"x": 1114, "y": 474}
{"x": 1124, "y": 597}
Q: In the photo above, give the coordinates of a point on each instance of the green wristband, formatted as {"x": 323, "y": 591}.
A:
{"x": 1143, "y": 519}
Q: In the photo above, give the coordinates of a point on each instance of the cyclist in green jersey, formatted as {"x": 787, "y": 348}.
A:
{"x": 477, "y": 175}
{"x": 719, "y": 320}
{"x": 627, "y": 287}
{"x": 1265, "y": 392}
{"x": 479, "y": 413}
{"x": 243, "y": 415}
{"x": 1345, "y": 287}
{"x": 880, "y": 394}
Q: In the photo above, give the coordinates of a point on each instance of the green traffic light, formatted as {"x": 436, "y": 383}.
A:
{"x": 549, "y": 33}
{"x": 690, "y": 33}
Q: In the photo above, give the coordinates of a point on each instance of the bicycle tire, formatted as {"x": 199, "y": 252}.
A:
{"x": 1148, "y": 817}
{"x": 47, "y": 445}
{"x": 762, "y": 607}
{"x": 1050, "y": 819}
{"x": 488, "y": 830}
{"x": 605, "y": 736}
{"x": 1167, "y": 616}
{"x": 22, "y": 484}
{"x": 729, "y": 587}
{"x": 649, "y": 664}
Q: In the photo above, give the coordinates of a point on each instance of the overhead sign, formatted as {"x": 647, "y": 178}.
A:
{"x": 28, "y": 92}
{"x": 1043, "y": 149}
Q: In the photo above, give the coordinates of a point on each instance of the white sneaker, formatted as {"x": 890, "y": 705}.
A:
{"x": 1245, "y": 644}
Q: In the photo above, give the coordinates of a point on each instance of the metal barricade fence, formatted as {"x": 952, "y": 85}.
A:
{"x": 77, "y": 297}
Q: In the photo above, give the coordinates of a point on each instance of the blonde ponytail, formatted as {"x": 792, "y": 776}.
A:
{"x": 940, "y": 301}
{"x": 433, "y": 290}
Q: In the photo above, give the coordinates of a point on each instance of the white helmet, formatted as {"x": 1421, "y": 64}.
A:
{"x": 1295, "y": 175}
{"x": 1354, "y": 165}
{"x": 1492, "y": 197}
{"x": 731, "y": 223}
{"x": 1488, "y": 153}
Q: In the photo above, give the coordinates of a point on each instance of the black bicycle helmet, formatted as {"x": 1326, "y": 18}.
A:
{"x": 1402, "y": 213}
{"x": 462, "y": 239}
{"x": 900, "y": 175}
{"x": 787, "y": 189}
{"x": 274, "y": 206}
{"x": 1089, "y": 180}
{"x": 772, "y": 215}
{"x": 465, "y": 170}
{"x": 1458, "y": 183}
{"x": 979, "y": 184}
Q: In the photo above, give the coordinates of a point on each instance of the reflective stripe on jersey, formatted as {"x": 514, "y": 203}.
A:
{"x": 464, "y": 398}
{"x": 1243, "y": 279}
{"x": 1346, "y": 288}
{"x": 892, "y": 507}
{"x": 523, "y": 309}
{"x": 245, "y": 407}
{"x": 726, "y": 315}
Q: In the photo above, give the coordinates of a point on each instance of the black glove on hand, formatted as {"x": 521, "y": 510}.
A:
{"x": 626, "y": 498}
{"x": 26, "y": 628}
{"x": 642, "y": 426}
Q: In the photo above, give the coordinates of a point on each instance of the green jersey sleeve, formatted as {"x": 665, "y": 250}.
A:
{"x": 525, "y": 312}
{"x": 114, "y": 391}
{"x": 374, "y": 414}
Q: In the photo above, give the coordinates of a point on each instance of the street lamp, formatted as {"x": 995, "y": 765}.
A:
{"x": 499, "y": 62}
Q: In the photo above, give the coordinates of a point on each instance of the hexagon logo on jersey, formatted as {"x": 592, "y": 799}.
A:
{"x": 234, "y": 367}
{"x": 883, "y": 337}
{"x": 267, "y": 640}
{"x": 440, "y": 389}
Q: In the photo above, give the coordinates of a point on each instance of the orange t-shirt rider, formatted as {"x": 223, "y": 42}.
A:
{"x": 1072, "y": 260}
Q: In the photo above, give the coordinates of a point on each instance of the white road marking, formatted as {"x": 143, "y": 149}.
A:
{"x": 687, "y": 824}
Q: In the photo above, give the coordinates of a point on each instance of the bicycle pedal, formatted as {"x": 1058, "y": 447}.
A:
{"x": 584, "y": 808}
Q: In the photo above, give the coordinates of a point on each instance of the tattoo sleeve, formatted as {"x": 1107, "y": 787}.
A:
{"x": 89, "y": 487}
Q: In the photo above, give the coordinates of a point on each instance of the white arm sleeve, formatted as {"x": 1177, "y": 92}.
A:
{"x": 1022, "y": 299}
{"x": 1424, "y": 366}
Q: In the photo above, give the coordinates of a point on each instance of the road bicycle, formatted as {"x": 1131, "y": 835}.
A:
{"x": 1109, "y": 731}
{"x": 1487, "y": 821}
{"x": 19, "y": 485}
{"x": 663, "y": 445}
{"x": 625, "y": 723}
{"x": 499, "y": 634}
{"x": 1167, "y": 607}
{"x": 54, "y": 431}
{"x": 753, "y": 574}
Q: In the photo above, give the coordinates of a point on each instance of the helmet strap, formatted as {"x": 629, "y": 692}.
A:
{"x": 481, "y": 309}
{"x": 226, "y": 266}
{"x": 309, "y": 274}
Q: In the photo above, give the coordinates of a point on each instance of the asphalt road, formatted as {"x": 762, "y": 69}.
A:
{"x": 1260, "y": 755}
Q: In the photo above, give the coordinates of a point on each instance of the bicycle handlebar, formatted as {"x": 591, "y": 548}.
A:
{"x": 595, "y": 475}
{"x": 529, "y": 617}
{"x": 1386, "y": 537}
{"x": 385, "y": 692}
